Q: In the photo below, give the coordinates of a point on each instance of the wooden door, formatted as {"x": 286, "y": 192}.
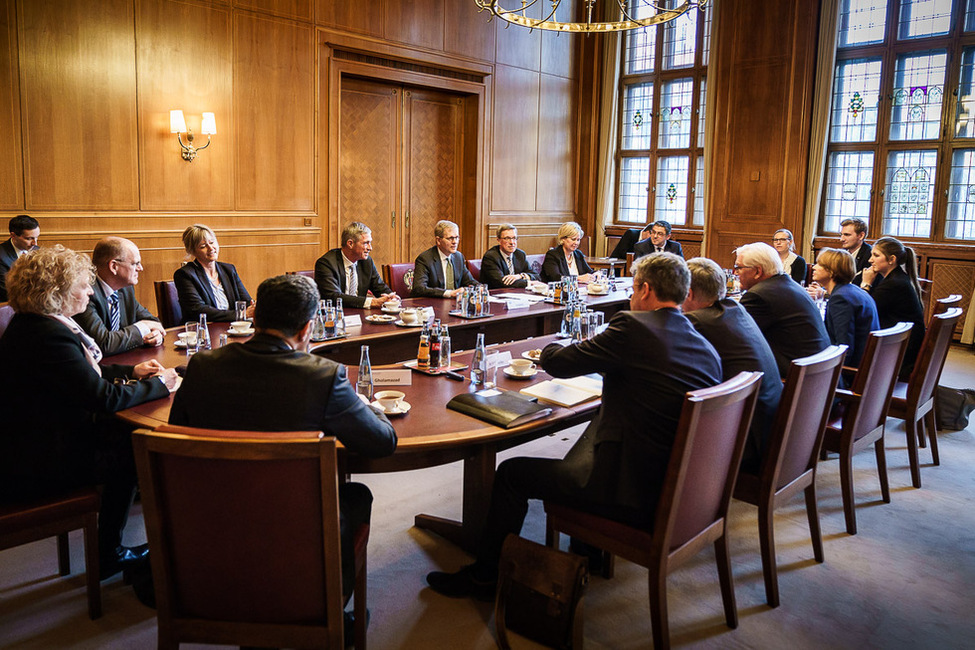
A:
{"x": 401, "y": 163}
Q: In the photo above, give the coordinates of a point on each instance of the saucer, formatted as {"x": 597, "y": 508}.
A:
{"x": 404, "y": 324}
{"x": 380, "y": 318}
{"x": 597, "y": 293}
{"x": 532, "y": 357}
{"x": 391, "y": 310}
{"x": 180, "y": 343}
{"x": 515, "y": 375}
{"x": 403, "y": 410}
{"x": 233, "y": 332}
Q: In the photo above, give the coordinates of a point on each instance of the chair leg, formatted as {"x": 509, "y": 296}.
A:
{"x": 359, "y": 605}
{"x": 551, "y": 535}
{"x": 846, "y": 483}
{"x": 932, "y": 428}
{"x": 913, "y": 431}
{"x": 878, "y": 448}
{"x": 722, "y": 552}
{"x": 64, "y": 555}
{"x": 658, "y": 610}
{"x": 609, "y": 565}
{"x": 94, "y": 585}
{"x": 812, "y": 512}
{"x": 766, "y": 540}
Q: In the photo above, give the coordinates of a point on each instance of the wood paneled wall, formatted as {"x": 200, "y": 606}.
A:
{"x": 86, "y": 87}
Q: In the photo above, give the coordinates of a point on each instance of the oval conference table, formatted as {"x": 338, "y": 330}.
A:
{"x": 429, "y": 434}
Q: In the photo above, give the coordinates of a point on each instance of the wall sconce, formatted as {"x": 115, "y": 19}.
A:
{"x": 177, "y": 125}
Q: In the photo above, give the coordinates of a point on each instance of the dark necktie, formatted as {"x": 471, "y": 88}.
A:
{"x": 113, "y": 312}
{"x": 450, "y": 275}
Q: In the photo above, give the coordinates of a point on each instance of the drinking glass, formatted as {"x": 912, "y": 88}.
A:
{"x": 491, "y": 376}
{"x": 241, "y": 308}
{"x": 192, "y": 337}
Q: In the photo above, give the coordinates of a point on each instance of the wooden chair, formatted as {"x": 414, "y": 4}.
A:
{"x": 627, "y": 270}
{"x": 6, "y": 314}
{"x": 941, "y": 305}
{"x": 167, "y": 303}
{"x": 399, "y": 278}
{"x": 862, "y": 422}
{"x": 693, "y": 505}
{"x": 913, "y": 400}
{"x": 535, "y": 262}
{"x": 266, "y": 571}
{"x": 474, "y": 266}
{"x": 789, "y": 465}
{"x": 23, "y": 523}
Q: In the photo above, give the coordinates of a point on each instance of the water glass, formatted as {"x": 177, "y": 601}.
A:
{"x": 491, "y": 376}
{"x": 240, "y": 307}
{"x": 192, "y": 337}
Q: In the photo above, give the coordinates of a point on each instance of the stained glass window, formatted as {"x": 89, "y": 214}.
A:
{"x": 701, "y": 112}
{"x": 918, "y": 90}
{"x": 848, "y": 183}
{"x": 961, "y": 196}
{"x": 670, "y": 197}
{"x": 699, "y": 192}
{"x": 909, "y": 193}
{"x": 676, "y": 116}
{"x": 965, "y": 106}
{"x": 633, "y": 190}
{"x": 637, "y": 116}
{"x": 861, "y": 22}
{"x": 856, "y": 91}
{"x": 680, "y": 39}
{"x": 920, "y": 18}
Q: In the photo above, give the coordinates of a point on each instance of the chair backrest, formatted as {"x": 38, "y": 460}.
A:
{"x": 244, "y": 529}
{"x": 931, "y": 360}
{"x": 535, "y": 262}
{"x": 800, "y": 423}
{"x": 399, "y": 278}
{"x": 704, "y": 461}
{"x": 474, "y": 266}
{"x": 628, "y": 269}
{"x": 6, "y": 313}
{"x": 167, "y": 303}
{"x": 875, "y": 379}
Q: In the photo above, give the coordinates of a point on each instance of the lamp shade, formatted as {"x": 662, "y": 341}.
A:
{"x": 209, "y": 126}
{"x": 176, "y": 122}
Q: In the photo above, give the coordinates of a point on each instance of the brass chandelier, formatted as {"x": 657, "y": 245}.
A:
{"x": 630, "y": 10}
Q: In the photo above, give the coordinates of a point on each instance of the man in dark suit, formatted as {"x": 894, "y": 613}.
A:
{"x": 350, "y": 274}
{"x": 740, "y": 344}
{"x": 853, "y": 235}
{"x": 441, "y": 271}
{"x": 24, "y": 231}
{"x": 629, "y": 240}
{"x": 506, "y": 265}
{"x": 649, "y": 357}
{"x": 114, "y": 318}
{"x": 784, "y": 312}
{"x": 270, "y": 383}
{"x": 659, "y": 241}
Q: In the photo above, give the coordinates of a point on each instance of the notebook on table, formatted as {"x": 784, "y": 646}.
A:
{"x": 500, "y": 407}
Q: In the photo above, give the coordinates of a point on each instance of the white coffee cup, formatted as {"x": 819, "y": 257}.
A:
{"x": 240, "y": 325}
{"x": 409, "y": 316}
{"x": 522, "y": 366}
{"x": 390, "y": 400}
{"x": 184, "y": 337}
{"x": 597, "y": 288}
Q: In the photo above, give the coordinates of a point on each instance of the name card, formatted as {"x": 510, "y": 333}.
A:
{"x": 353, "y": 321}
{"x": 392, "y": 377}
{"x": 498, "y": 359}
{"x": 517, "y": 304}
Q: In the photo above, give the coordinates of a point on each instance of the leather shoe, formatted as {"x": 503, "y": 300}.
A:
{"x": 123, "y": 557}
{"x": 462, "y": 584}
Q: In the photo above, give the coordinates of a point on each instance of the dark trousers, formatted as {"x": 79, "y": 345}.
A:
{"x": 355, "y": 508}
{"x": 573, "y": 481}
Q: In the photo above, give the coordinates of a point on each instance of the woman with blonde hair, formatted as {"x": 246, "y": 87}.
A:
{"x": 793, "y": 264}
{"x": 851, "y": 314}
{"x": 57, "y": 400}
{"x": 206, "y": 286}
{"x": 566, "y": 259}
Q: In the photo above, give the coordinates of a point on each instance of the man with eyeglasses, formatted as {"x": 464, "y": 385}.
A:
{"x": 114, "y": 318}
{"x": 441, "y": 271}
{"x": 505, "y": 265}
{"x": 787, "y": 316}
{"x": 658, "y": 242}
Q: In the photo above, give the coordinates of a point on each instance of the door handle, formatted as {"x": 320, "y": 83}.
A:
{"x": 407, "y": 220}
{"x": 393, "y": 223}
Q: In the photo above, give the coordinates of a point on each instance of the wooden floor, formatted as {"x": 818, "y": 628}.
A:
{"x": 905, "y": 581}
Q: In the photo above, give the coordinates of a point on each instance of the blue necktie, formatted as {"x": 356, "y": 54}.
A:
{"x": 113, "y": 312}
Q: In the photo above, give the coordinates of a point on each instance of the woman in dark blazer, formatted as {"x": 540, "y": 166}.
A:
{"x": 793, "y": 265}
{"x": 898, "y": 297}
{"x": 565, "y": 259}
{"x": 58, "y": 433}
{"x": 851, "y": 314}
{"x": 206, "y": 286}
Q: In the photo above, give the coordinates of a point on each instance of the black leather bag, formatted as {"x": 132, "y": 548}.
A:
{"x": 952, "y": 406}
{"x": 540, "y": 591}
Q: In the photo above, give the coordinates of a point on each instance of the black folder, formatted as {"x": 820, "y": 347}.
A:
{"x": 500, "y": 407}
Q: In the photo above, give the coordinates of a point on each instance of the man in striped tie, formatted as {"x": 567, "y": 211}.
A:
{"x": 506, "y": 265}
{"x": 114, "y": 318}
{"x": 350, "y": 273}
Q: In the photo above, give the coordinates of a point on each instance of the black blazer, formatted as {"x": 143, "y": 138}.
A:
{"x": 264, "y": 385}
{"x": 626, "y": 243}
{"x": 331, "y": 280}
{"x": 851, "y": 315}
{"x": 898, "y": 302}
{"x": 428, "y": 278}
{"x": 649, "y": 360}
{"x": 50, "y": 398}
{"x": 554, "y": 265}
{"x": 8, "y": 255}
{"x": 493, "y": 269}
{"x": 798, "y": 270}
{"x": 196, "y": 296}
{"x": 95, "y": 319}
{"x": 742, "y": 348}
{"x": 646, "y": 247}
{"x": 862, "y": 259}
{"x": 788, "y": 319}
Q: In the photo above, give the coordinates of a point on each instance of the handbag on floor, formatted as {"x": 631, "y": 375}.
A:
{"x": 952, "y": 406}
{"x": 539, "y": 594}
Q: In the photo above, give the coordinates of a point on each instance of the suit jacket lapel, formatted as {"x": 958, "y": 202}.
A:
{"x": 204, "y": 281}
{"x": 229, "y": 286}
{"x": 101, "y": 303}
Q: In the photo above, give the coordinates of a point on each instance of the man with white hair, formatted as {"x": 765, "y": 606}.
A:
{"x": 782, "y": 309}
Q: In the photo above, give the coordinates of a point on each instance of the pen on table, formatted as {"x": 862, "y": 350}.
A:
{"x": 450, "y": 374}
